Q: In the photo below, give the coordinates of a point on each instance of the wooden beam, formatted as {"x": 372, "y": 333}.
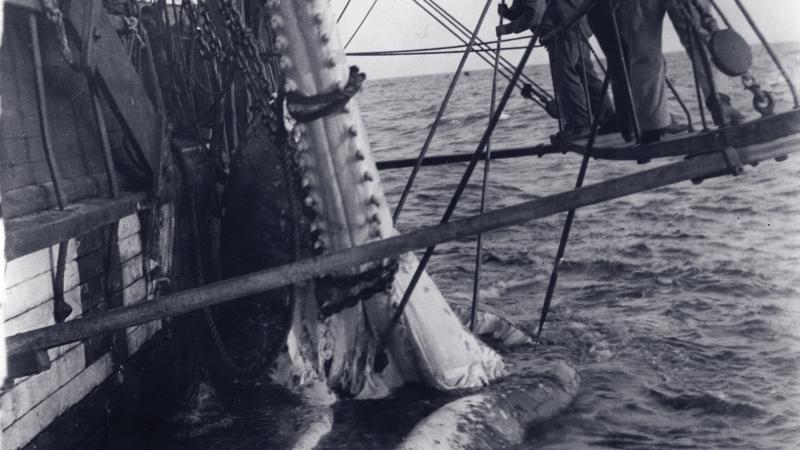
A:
{"x": 439, "y": 160}
{"x": 32, "y": 5}
{"x": 298, "y": 272}
{"x": 32, "y": 232}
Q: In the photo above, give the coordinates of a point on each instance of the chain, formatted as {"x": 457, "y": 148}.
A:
{"x": 240, "y": 52}
{"x": 378, "y": 279}
{"x": 763, "y": 102}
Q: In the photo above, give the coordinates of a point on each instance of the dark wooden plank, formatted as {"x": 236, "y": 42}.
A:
{"x": 438, "y": 160}
{"x": 36, "y": 231}
{"x": 234, "y": 288}
{"x": 122, "y": 85}
{"x": 26, "y": 364}
{"x": 38, "y": 197}
{"x": 753, "y": 132}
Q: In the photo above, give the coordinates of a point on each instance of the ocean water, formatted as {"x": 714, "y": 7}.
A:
{"x": 680, "y": 307}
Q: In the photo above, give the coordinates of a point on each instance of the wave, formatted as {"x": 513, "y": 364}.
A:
{"x": 497, "y": 290}
{"x": 708, "y": 403}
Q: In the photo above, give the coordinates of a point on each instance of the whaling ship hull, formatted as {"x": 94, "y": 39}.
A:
{"x": 66, "y": 126}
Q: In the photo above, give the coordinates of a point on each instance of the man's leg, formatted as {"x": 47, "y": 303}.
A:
{"x": 594, "y": 83}
{"x": 683, "y": 14}
{"x": 564, "y": 60}
{"x": 602, "y": 26}
{"x": 642, "y": 21}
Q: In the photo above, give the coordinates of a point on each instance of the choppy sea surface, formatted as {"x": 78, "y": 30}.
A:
{"x": 680, "y": 306}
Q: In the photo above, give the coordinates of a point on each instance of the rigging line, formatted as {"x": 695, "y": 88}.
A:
{"x": 721, "y": 14}
{"x": 626, "y": 79}
{"x": 705, "y": 64}
{"x": 341, "y": 14}
{"x": 541, "y": 92}
{"x": 455, "y": 33}
{"x": 369, "y": 11}
{"x": 445, "y": 47}
{"x": 486, "y": 170}
{"x": 459, "y": 30}
{"x": 481, "y": 55}
{"x": 381, "y": 359}
{"x": 691, "y": 51}
{"x": 562, "y": 246}
{"x": 459, "y": 25}
{"x": 770, "y": 51}
{"x": 435, "y": 52}
{"x": 440, "y": 114}
{"x": 677, "y": 96}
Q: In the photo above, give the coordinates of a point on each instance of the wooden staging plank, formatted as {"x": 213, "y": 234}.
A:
{"x": 30, "y": 233}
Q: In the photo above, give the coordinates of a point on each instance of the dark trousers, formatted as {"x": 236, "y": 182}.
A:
{"x": 602, "y": 26}
{"x": 569, "y": 57}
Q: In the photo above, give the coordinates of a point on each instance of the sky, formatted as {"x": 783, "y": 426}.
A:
{"x": 401, "y": 24}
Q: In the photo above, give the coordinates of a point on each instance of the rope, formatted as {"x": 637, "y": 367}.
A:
{"x": 771, "y": 52}
{"x": 341, "y": 14}
{"x": 562, "y": 246}
{"x": 543, "y": 95}
{"x": 459, "y": 30}
{"x": 721, "y": 15}
{"x": 440, "y": 114}
{"x": 306, "y": 108}
{"x": 486, "y": 169}
{"x": 424, "y": 52}
{"x": 704, "y": 61}
{"x": 625, "y": 75}
{"x": 381, "y": 359}
{"x": 677, "y": 96}
{"x": 700, "y": 102}
{"x": 455, "y": 33}
{"x": 459, "y": 47}
{"x": 369, "y": 11}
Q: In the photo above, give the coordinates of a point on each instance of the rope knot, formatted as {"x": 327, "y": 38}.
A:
{"x": 306, "y": 108}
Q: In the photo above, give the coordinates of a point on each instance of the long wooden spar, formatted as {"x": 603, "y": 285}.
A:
{"x": 183, "y": 302}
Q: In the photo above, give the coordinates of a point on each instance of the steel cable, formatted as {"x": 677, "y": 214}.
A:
{"x": 439, "y": 114}
{"x": 486, "y": 170}
{"x": 361, "y": 24}
{"x": 381, "y": 359}
{"x": 483, "y": 56}
{"x": 540, "y": 92}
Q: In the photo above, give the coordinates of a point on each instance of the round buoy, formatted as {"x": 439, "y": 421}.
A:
{"x": 730, "y": 53}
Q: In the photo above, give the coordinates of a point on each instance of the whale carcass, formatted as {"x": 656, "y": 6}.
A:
{"x": 342, "y": 190}
{"x": 334, "y": 327}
